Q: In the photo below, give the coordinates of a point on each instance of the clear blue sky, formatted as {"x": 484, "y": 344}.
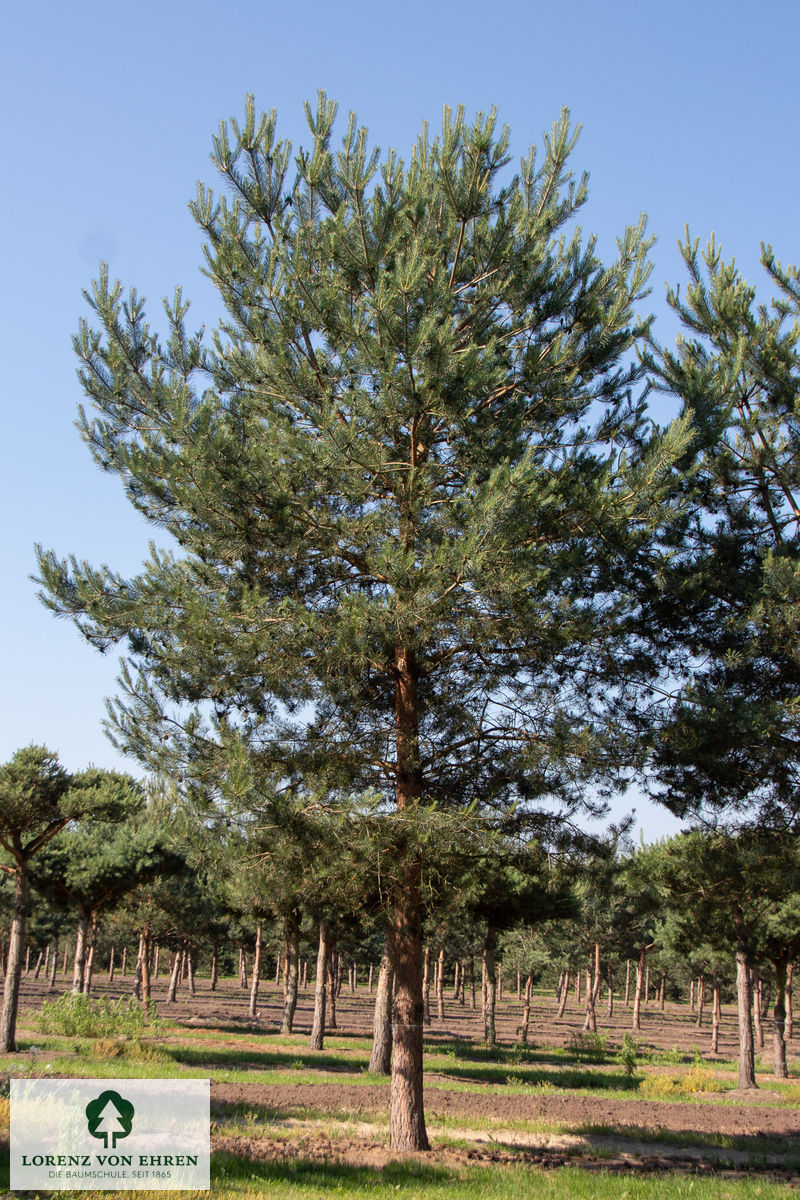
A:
{"x": 689, "y": 113}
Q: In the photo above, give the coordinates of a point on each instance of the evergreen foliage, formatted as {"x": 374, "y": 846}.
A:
{"x": 410, "y": 486}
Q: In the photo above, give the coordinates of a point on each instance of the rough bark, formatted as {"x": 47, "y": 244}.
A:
{"x": 755, "y": 984}
{"x": 79, "y": 958}
{"x": 381, "y": 1058}
{"x": 53, "y": 965}
{"x": 789, "y": 1014}
{"x": 173, "y": 979}
{"x": 564, "y": 994}
{"x": 426, "y": 986}
{"x": 636, "y": 1023}
{"x": 701, "y": 999}
{"x": 406, "y": 1116}
{"x": 320, "y": 990}
{"x": 526, "y": 1011}
{"x": 779, "y": 1020}
{"x": 292, "y": 958}
{"x": 744, "y": 997}
{"x": 256, "y": 973}
{"x": 19, "y": 920}
{"x": 715, "y": 1018}
{"x": 490, "y": 975}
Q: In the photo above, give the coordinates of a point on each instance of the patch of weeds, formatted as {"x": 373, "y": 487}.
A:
{"x": 81, "y": 1016}
{"x": 675, "y": 1056}
{"x": 698, "y": 1081}
{"x": 628, "y": 1057}
{"x": 591, "y": 1047}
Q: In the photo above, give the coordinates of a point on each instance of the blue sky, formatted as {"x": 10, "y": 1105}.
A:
{"x": 688, "y": 111}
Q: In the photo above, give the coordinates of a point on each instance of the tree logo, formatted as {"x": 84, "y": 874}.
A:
{"x": 109, "y": 1116}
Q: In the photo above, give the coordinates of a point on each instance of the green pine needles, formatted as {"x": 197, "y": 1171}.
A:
{"x": 408, "y": 485}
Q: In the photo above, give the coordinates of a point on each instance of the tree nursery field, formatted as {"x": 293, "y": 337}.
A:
{"x": 568, "y": 1114}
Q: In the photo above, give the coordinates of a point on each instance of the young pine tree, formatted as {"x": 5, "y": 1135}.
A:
{"x": 409, "y": 487}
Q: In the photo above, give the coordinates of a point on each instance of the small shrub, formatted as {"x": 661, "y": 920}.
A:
{"x": 80, "y": 1016}
{"x": 700, "y": 1080}
{"x": 628, "y": 1056}
{"x": 660, "y": 1087}
{"x": 674, "y": 1055}
{"x": 589, "y": 1046}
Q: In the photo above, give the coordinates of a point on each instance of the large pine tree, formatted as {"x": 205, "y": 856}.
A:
{"x": 409, "y": 485}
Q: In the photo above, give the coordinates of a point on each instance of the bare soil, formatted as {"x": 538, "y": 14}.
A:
{"x": 615, "y": 1133}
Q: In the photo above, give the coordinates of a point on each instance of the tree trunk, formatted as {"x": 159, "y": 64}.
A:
{"x": 8, "y": 1020}
{"x": 662, "y": 991}
{"x": 526, "y": 1011}
{"x": 593, "y": 978}
{"x": 744, "y": 996}
{"x": 426, "y": 986}
{"x": 39, "y": 961}
{"x": 472, "y": 982}
{"x": 370, "y": 981}
{"x": 779, "y": 1019}
{"x": 156, "y": 959}
{"x": 610, "y": 982}
{"x": 636, "y": 1024}
{"x": 755, "y": 984}
{"x": 627, "y": 983}
{"x": 381, "y": 1058}
{"x": 701, "y": 999}
{"x": 457, "y": 984}
{"x": 564, "y": 994}
{"x": 111, "y": 966}
{"x": 79, "y": 958}
{"x": 214, "y": 969}
{"x": 332, "y": 990}
{"x": 320, "y": 990}
{"x": 578, "y": 986}
{"x": 88, "y": 970}
{"x": 490, "y": 975}
{"x": 173, "y": 979}
{"x": 53, "y": 965}
{"x": 789, "y": 1015}
{"x": 440, "y": 987}
{"x": 256, "y": 973}
{"x": 124, "y": 960}
{"x": 715, "y": 1018}
{"x": 292, "y": 958}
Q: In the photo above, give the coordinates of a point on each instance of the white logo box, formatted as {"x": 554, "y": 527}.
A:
{"x": 110, "y": 1134}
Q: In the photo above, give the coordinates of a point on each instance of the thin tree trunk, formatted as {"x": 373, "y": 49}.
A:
{"x": 320, "y": 990}
{"x": 214, "y": 969}
{"x": 789, "y": 1016}
{"x": 472, "y": 982}
{"x": 64, "y": 961}
{"x": 755, "y": 984}
{"x": 457, "y": 985}
{"x": 691, "y": 996}
{"x": 636, "y": 1024}
{"x": 564, "y": 995}
{"x": 111, "y": 966}
{"x": 38, "y": 967}
{"x": 627, "y": 983}
{"x": 8, "y": 1019}
{"x": 124, "y": 961}
{"x": 371, "y": 983}
{"x": 610, "y": 982}
{"x": 79, "y": 958}
{"x": 256, "y": 973}
{"x": 578, "y": 986}
{"x": 173, "y": 979}
{"x": 744, "y": 996}
{"x": 662, "y": 993}
{"x": 701, "y": 999}
{"x": 779, "y": 1020}
{"x": 715, "y": 1017}
{"x": 27, "y": 959}
{"x": 53, "y": 965}
{"x": 490, "y": 975}
{"x": 381, "y": 1058}
{"x": 332, "y": 989}
{"x": 440, "y": 987}
{"x": 88, "y": 970}
{"x": 426, "y": 986}
{"x": 292, "y": 957}
{"x": 156, "y": 959}
{"x": 526, "y": 1011}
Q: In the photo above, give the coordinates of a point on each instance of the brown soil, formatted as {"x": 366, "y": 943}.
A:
{"x": 607, "y": 1133}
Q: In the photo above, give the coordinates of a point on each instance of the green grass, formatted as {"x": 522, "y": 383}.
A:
{"x": 235, "y": 1178}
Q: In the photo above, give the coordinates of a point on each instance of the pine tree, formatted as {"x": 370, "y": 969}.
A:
{"x": 408, "y": 482}
{"x": 727, "y": 743}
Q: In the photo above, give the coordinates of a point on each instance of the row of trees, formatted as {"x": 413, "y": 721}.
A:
{"x": 691, "y": 906}
{"x": 429, "y": 561}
